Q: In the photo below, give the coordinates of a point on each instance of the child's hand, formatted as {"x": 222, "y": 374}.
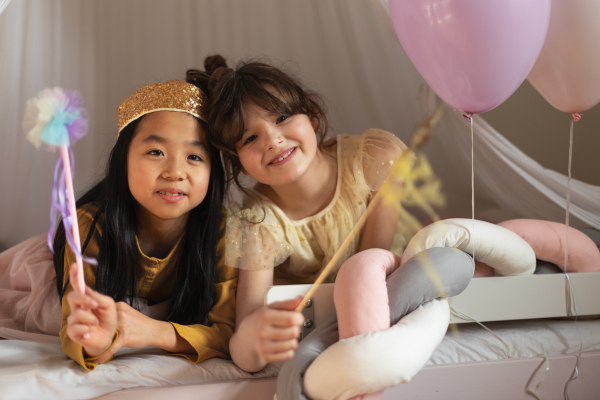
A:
{"x": 93, "y": 319}
{"x": 278, "y": 330}
{"x": 135, "y": 330}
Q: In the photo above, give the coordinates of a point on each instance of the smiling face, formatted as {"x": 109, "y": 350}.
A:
{"x": 168, "y": 165}
{"x": 276, "y": 149}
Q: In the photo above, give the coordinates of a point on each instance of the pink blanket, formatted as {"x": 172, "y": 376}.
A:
{"x": 29, "y": 304}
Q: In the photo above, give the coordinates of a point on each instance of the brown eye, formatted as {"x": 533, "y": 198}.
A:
{"x": 250, "y": 139}
{"x": 282, "y": 118}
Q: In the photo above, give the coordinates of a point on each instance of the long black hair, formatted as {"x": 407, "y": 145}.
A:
{"x": 197, "y": 257}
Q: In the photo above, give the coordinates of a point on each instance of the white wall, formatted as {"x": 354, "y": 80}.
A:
{"x": 541, "y": 131}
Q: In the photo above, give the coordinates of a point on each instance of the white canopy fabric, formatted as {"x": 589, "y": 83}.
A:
{"x": 3, "y": 4}
{"x": 346, "y": 50}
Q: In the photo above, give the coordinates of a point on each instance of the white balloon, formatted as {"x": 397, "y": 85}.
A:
{"x": 567, "y": 71}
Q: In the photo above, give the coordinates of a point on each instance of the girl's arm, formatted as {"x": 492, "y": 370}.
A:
{"x": 380, "y": 149}
{"x": 195, "y": 342}
{"x": 94, "y": 320}
{"x": 380, "y": 228}
{"x": 263, "y": 334}
{"x": 79, "y": 312}
{"x": 200, "y": 342}
{"x": 136, "y": 330}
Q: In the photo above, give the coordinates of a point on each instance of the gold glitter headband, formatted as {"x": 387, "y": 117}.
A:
{"x": 167, "y": 96}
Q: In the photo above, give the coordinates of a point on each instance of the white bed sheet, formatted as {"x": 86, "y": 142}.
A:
{"x": 527, "y": 338}
{"x": 31, "y": 370}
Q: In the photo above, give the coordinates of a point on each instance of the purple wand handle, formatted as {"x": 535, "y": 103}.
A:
{"x": 64, "y": 153}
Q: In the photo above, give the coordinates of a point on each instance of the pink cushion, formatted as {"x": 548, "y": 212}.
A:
{"x": 548, "y": 242}
{"x": 361, "y": 298}
{"x": 360, "y": 292}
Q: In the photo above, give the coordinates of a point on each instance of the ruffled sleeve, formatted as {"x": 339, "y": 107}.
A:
{"x": 379, "y": 151}
{"x": 255, "y": 238}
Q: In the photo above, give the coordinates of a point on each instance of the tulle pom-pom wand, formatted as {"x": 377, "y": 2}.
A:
{"x": 54, "y": 119}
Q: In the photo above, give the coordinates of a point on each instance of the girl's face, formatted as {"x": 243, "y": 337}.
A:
{"x": 168, "y": 165}
{"x": 276, "y": 149}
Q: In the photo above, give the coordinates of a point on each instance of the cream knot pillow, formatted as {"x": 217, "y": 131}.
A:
{"x": 503, "y": 250}
{"x": 374, "y": 361}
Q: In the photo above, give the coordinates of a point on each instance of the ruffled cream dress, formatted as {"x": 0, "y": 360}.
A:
{"x": 260, "y": 236}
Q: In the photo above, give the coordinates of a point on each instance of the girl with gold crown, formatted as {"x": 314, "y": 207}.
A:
{"x": 154, "y": 226}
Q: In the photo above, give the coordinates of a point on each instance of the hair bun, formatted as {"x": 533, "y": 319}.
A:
{"x": 219, "y": 77}
{"x": 201, "y": 78}
{"x": 196, "y": 77}
{"x": 212, "y": 63}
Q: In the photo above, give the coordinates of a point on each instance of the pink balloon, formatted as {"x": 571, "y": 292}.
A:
{"x": 473, "y": 53}
{"x": 567, "y": 72}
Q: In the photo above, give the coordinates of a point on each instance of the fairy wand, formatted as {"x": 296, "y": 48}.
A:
{"x": 54, "y": 119}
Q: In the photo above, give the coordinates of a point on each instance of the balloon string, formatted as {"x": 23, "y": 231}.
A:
{"x": 469, "y": 117}
{"x": 566, "y": 261}
{"x": 569, "y": 296}
{"x": 472, "y": 188}
{"x": 465, "y": 317}
{"x": 541, "y": 382}
{"x": 509, "y": 352}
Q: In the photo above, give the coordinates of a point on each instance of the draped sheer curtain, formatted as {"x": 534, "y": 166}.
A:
{"x": 3, "y": 4}
{"x": 346, "y": 50}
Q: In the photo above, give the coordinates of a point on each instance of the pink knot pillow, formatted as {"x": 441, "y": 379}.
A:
{"x": 547, "y": 239}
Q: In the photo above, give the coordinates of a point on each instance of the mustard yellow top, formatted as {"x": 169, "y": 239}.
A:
{"x": 260, "y": 236}
{"x": 156, "y": 285}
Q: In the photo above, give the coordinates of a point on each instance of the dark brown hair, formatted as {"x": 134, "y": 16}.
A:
{"x": 251, "y": 82}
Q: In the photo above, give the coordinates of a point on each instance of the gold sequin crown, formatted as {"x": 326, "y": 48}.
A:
{"x": 166, "y": 96}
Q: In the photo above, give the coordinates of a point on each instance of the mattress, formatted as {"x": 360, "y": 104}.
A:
{"x": 516, "y": 339}
{"x": 31, "y": 370}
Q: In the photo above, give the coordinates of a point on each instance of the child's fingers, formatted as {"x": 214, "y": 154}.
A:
{"x": 271, "y": 358}
{"x": 74, "y": 276}
{"x": 275, "y": 347}
{"x": 272, "y": 351}
{"x": 281, "y": 318}
{"x": 277, "y": 333}
{"x": 80, "y": 316}
{"x": 288, "y": 305}
{"x": 102, "y": 300}
{"x": 79, "y": 332}
{"x": 79, "y": 300}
